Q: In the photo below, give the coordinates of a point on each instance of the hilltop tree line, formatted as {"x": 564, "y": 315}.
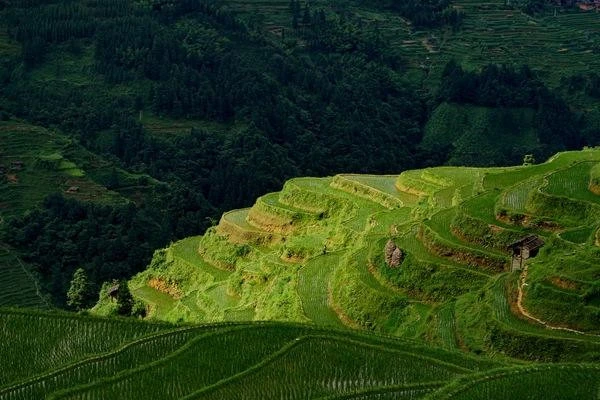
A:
{"x": 334, "y": 97}
{"x": 422, "y": 13}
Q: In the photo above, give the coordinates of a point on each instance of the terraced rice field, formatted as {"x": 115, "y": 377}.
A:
{"x": 573, "y": 182}
{"x": 560, "y": 381}
{"x": 504, "y": 35}
{"x": 517, "y": 197}
{"x": 415, "y": 182}
{"x": 255, "y": 361}
{"x": 18, "y": 287}
{"x": 272, "y": 200}
{"x": 36, "y": 147}
{"x": 501, "y": 309}
{"x": 313, "y": 288}
{"x": 329, "y": 266}
{"x": 440, "y": 224}
{"x": 483, "y": 207}
{"x": 187, "y": 251}
{"x": 384, "y": 183}
{"x": 579, "y": 235}
{"x": 381, "y": 191}
{"x": 161, "y": 304}
{"x": 56, "y": 340}
{"x": 412, "y": 244}
{"x": 558, "y": 44}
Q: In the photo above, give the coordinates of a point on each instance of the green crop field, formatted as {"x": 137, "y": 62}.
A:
{"x": 313, "y": 286}
{"x": 79, "y": 357}
{"x": 516, "y": 198}
{"x": 556, "y": 382}
{"x": 573, "y": 182}
{"x": 56, "y": 340}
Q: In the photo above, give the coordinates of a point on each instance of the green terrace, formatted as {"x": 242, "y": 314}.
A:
{"x": 316, "y": 252}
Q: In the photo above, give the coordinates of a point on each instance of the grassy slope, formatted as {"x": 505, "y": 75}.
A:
{"x": 320, "y": 258}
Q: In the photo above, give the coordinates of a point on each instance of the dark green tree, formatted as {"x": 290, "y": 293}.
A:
{"x": 124, "y": 299}
{"x": 529, "y": 159}
{"x": 78, "y": 294}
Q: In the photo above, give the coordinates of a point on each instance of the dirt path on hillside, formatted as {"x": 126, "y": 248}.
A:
{"x": 528, "y": 315}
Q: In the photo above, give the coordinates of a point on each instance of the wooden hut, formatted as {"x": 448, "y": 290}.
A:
{"x": 113, "y": 291}
{"x": 524, "y": 249}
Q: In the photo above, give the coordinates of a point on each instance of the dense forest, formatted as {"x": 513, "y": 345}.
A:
{"x": 328, "y": 96}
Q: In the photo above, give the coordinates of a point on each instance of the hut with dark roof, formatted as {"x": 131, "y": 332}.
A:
{"x": 524, "y": 249}
{"x": 113, "y": 291}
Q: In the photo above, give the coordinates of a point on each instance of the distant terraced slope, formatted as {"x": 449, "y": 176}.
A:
{"x": 314, "y": 252}
{"x": 557, "y": 45}
{"x": 34, "y": 163}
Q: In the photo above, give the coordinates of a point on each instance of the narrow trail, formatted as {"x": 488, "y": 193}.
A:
{"x": 528, "y": 315}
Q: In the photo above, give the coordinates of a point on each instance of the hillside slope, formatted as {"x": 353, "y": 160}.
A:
{"x": 421, "y": 255}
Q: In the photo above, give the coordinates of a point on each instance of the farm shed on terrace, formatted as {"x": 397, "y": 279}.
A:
{"x": 523, "y": 249}
{"x": 113, "y": 291}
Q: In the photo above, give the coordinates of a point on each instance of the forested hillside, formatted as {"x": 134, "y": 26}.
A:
{"x": 195, "y": 107}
